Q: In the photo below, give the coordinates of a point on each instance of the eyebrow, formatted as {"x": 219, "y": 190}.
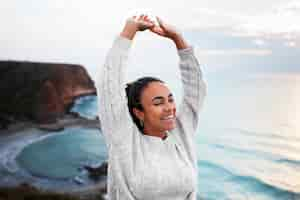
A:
{"x": 161, "y": 97}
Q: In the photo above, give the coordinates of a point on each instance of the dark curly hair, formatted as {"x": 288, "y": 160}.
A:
{"x": 134, "y": 92}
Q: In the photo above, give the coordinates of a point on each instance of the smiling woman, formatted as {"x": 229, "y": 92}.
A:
{"x": 151, "y": 106}
{"x": 151, "y": 149}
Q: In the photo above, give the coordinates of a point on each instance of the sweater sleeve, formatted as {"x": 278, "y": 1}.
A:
{"x": 112, "y": 101}
{"x": 194, "y": 90}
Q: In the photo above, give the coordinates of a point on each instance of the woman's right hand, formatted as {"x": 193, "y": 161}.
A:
{"x": 135, "y": 24}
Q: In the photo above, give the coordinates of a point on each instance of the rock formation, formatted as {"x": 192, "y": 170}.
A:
{"x": 41, "y": 92}
{"x": 95, "y": 172}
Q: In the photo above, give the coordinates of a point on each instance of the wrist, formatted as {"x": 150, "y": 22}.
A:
{"x": 179, "y": 41}
{"x": 176, "y": 36}
{"x": 129, "y": 31}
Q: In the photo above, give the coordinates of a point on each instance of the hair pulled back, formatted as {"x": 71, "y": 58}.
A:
{"x": 134, "y": 92}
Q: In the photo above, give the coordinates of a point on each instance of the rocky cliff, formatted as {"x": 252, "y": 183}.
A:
{"x": 41, "y": 92}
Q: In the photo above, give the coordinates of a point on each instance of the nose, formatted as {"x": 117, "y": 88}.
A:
{"x": 169, "y": 107}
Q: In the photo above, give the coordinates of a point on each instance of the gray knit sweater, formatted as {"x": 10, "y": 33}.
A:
{"x": 146, "y": 167}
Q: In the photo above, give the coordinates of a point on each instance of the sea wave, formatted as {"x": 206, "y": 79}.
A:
{"x": 254, "y": 184}
{"x": 260, "y": 186}
{"x": 266, "y": 135}
{"x": 259, "y": 145}
{"x": 262, "y": 154}
{"x": 289, "y": 161}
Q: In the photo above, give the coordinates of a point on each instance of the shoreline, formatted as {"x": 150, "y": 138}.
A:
{"x": 18, "y": 136}
{"x": 68, "y": 120}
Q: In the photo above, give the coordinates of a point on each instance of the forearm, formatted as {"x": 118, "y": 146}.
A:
{"x": 129, "y": 31}
{"x": 180, "y": 42}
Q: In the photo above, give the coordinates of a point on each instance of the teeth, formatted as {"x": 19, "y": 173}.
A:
{"x": 169, "y": 117}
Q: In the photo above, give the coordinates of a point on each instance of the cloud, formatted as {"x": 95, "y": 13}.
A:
{"x": 234, "y": 52}
{"x": 278, "y": 20}
{"x": 282, "y": 22}
{"x": 35, "y": 29}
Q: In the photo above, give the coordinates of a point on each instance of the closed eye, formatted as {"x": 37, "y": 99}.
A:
{"x": 160, "y": 99}
{"x": 171, "y": 100}
{"x": 158, "y": 102}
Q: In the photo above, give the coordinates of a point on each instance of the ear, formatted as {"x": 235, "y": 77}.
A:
{"x": 138, "y": 113}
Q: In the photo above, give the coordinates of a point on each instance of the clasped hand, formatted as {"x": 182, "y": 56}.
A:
{"x": 143, "y": 22}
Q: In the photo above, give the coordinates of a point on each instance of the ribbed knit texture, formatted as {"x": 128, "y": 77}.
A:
{"x": 146, "y": 167}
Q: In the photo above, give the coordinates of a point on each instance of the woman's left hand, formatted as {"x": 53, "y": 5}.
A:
{"x": 164, "y": 29}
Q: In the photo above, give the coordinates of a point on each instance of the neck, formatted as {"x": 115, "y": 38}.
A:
{"x": 162, "y": 134}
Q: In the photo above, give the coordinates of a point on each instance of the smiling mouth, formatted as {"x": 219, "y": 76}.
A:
{"x": 170, "y": 117}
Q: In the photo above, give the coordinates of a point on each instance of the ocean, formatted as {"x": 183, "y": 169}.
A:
{"x": 248, "y": 141}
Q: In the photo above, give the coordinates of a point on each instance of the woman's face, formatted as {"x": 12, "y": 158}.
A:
{"x": 159, "y": 109}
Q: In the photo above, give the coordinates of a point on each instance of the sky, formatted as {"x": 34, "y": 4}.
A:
{"x": 257, "y": 35}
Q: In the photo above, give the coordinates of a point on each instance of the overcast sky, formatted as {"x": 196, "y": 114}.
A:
{"x": 81, "y": 31}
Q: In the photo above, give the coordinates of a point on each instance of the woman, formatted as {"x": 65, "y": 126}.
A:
{"x": 151, "y": 148}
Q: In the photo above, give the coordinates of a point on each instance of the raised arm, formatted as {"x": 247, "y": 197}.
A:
{"x": 116, "y": 123}
{"x": 194, "y": 88}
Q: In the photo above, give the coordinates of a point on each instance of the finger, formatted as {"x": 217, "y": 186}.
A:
{"x": 152, "y": 22}
{"x": 148, "y": 24}
{"x": 158, "y": 31}
{"x": 151, "y": 25}
{"x": 141, "y": 16}
{"x": 160, "y": 22}
{"x": 147, "y": 19}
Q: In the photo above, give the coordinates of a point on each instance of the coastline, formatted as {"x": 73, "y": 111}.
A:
{"x": 19, "y": 135}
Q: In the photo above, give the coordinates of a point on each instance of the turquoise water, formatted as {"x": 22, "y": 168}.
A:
{"x": 248, "y": 141}
{"x": 62, "y": 155}
{"x": 86, "y": 107}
